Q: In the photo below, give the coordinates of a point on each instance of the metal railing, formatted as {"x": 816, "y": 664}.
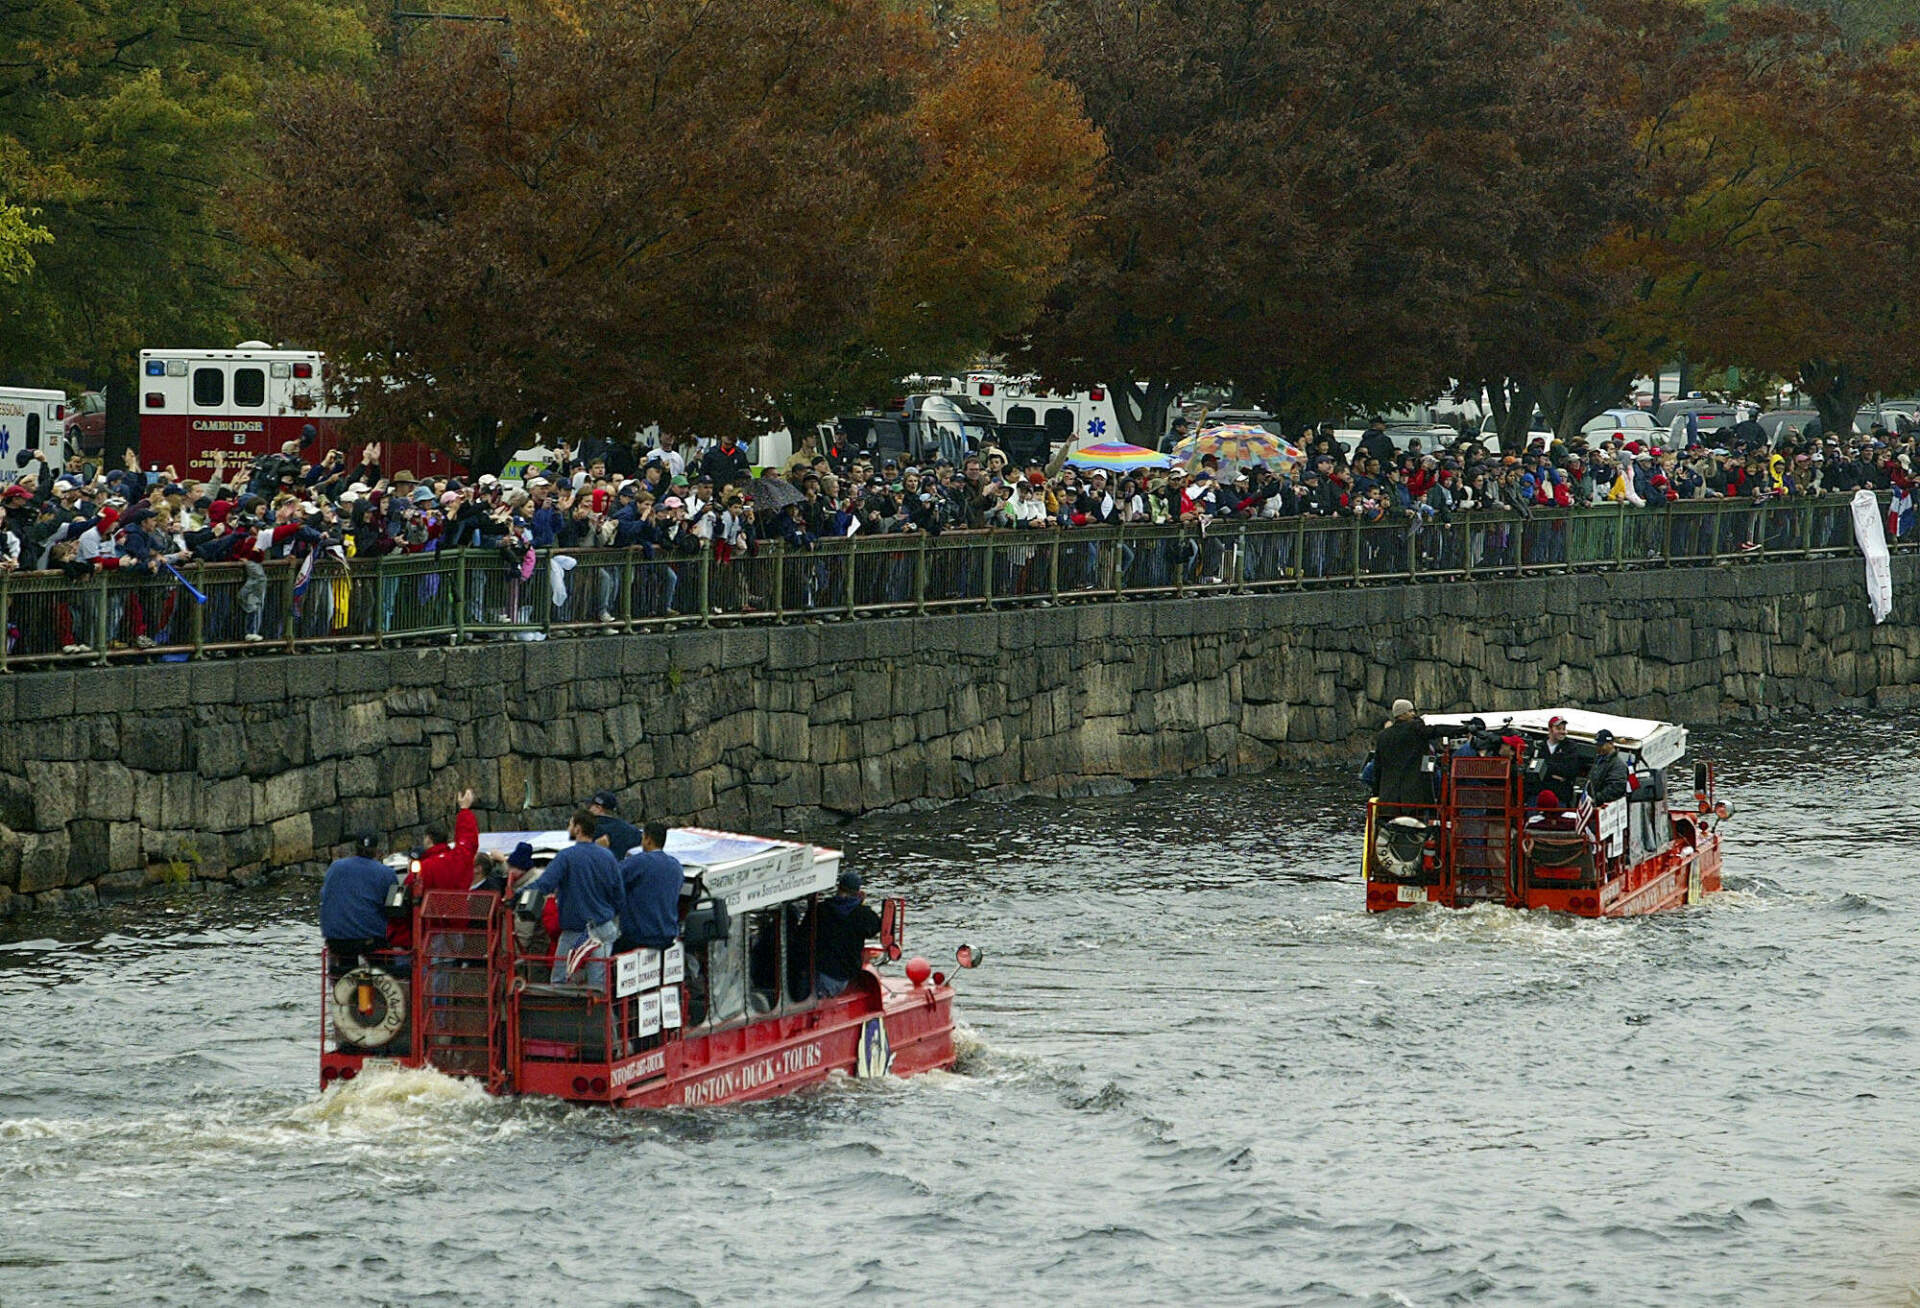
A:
{"x": 467, "y": 595}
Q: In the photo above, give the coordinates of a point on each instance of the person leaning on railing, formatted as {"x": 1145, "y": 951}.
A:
{"x": 13, "y": 500}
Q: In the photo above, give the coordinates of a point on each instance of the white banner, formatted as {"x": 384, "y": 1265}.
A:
{"x": 647, "y": 1015}
{"x": 1871, "y": 533}
{"x": 673, "y": 965}
{"x": 670, "y": 1008}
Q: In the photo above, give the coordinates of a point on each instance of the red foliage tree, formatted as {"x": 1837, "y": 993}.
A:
{"x": 638, "y": 213}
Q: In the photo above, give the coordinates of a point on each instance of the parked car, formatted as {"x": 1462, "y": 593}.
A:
{"x": 87, "y": 423}
{"x": 1628, "y": 424}
{"x": 1536, "y": 426}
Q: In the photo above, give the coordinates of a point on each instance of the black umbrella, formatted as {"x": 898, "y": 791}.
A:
{"x": 772, "y": 495}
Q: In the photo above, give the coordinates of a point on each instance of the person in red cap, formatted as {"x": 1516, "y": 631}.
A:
{"x": 1558, "y": 767}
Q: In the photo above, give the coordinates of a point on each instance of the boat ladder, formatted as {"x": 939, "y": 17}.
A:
{"x": 1481, "y": 812}
{"x": 457, "y": 938}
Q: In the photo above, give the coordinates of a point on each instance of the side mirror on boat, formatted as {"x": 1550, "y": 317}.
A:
{"x": 1723, "y": 809}
{"x": 968, "y": 956}
{"x": 893, "y": 928}
{"x": 706, "y": 923}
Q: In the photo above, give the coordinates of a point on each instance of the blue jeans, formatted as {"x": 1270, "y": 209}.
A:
{"x": 826, "y": 987}
{"x": 591, "y": 973}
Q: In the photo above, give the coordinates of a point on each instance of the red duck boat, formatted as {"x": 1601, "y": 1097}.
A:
{"x": 727, "y": 1014}
{"x": 1489, "y": 839}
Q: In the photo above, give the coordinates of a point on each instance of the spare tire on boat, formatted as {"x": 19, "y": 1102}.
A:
{"x": 385, "y": 1013}
{"x": 1399, "y": 847}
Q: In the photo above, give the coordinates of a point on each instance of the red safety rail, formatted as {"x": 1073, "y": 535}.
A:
{"x": 1482, "y": 811}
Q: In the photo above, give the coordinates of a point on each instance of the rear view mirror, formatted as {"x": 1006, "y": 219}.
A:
{"x": 968, "y": 956}
{"x": 893, "y": 928}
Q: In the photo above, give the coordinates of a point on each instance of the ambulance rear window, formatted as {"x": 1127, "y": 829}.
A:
{"x": 249, "y": 388}
{"x": 209, "y": 386}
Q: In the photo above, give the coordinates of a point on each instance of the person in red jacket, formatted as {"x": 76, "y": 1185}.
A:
{"x": 448, "y": 865}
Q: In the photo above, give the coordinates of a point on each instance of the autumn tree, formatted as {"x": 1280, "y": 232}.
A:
{"x": 1823, "y": 285}
{"x": 1720, "y": 121}
{"x": 121, "y": 123}
{"x": 1004, "y": 168}
{"x": 1574, "y": 171}
{"x": 1301, "y": 200}
{"x": 693, "y": 213}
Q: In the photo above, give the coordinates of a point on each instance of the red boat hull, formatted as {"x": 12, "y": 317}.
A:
{"x": 1674, "y": 878}
{"x": 764, "y": 1058}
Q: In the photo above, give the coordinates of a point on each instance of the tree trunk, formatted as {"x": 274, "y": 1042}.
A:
{"x": 1142, "y": 409}
{"x": 1569, "y": 406}
{"x": 1512, "y": 401}
{"x": 483, "y": 446}
{"x": 123, "y": 418}
{"x": 1837, "y": 394}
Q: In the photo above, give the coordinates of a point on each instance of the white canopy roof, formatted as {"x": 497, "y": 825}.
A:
{"x": 747, "y": 871}
{"x": 1657, "y": 743}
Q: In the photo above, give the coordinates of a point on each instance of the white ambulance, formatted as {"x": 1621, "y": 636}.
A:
{"x": 1080, "y": 417}
{"x": 31, "y": 420}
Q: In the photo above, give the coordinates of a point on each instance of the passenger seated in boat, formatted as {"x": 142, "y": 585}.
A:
{"x": 497, "y": 873}
{"x": 651, "y": 880}
{"x": 353, "y": 905}
{"x": 1607, "y": 780}
{"x": 842, "y": 926}
{"x": 1557, "y": 761}
{"x": 1553, "y": 815}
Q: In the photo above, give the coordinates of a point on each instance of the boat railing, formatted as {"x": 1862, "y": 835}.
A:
{"x": 605, "y": 1010}
{"x": 1559, "y": 848}
{"x": 457, "y": 596}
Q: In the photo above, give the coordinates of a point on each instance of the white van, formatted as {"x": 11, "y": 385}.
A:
{"x": 31, "y": 420}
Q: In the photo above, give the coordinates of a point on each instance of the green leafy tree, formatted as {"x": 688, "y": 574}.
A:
{"x": 123, "y": 123}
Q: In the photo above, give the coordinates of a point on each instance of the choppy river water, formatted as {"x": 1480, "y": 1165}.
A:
{"x": 1195, "y": 1072}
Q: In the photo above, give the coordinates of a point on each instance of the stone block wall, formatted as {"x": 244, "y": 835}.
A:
{"x": 115, "y": 779}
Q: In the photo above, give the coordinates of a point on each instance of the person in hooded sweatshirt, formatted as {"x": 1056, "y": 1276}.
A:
{"x": 842, "y": 926}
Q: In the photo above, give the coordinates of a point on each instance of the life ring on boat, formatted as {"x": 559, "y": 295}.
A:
{"x": 369, "y": 1007}
{"x": 1400, "y": 846}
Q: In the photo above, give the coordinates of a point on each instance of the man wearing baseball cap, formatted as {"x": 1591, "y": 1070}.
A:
{"x": 618, "y": 836}
{"x": 1559, "y": 763}
{"x": 1608, "y": 779}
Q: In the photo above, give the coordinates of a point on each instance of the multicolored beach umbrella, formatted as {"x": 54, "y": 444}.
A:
{"x": 1116, "y": 457}
{"x": 1239, "y": 444}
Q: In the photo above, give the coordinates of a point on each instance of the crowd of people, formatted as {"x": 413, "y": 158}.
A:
{"x": 672, "y": 503}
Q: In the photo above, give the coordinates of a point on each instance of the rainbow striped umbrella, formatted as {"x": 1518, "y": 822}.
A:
{"x": 1116, "y": 457}
{"x": 1238, "y": 444}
